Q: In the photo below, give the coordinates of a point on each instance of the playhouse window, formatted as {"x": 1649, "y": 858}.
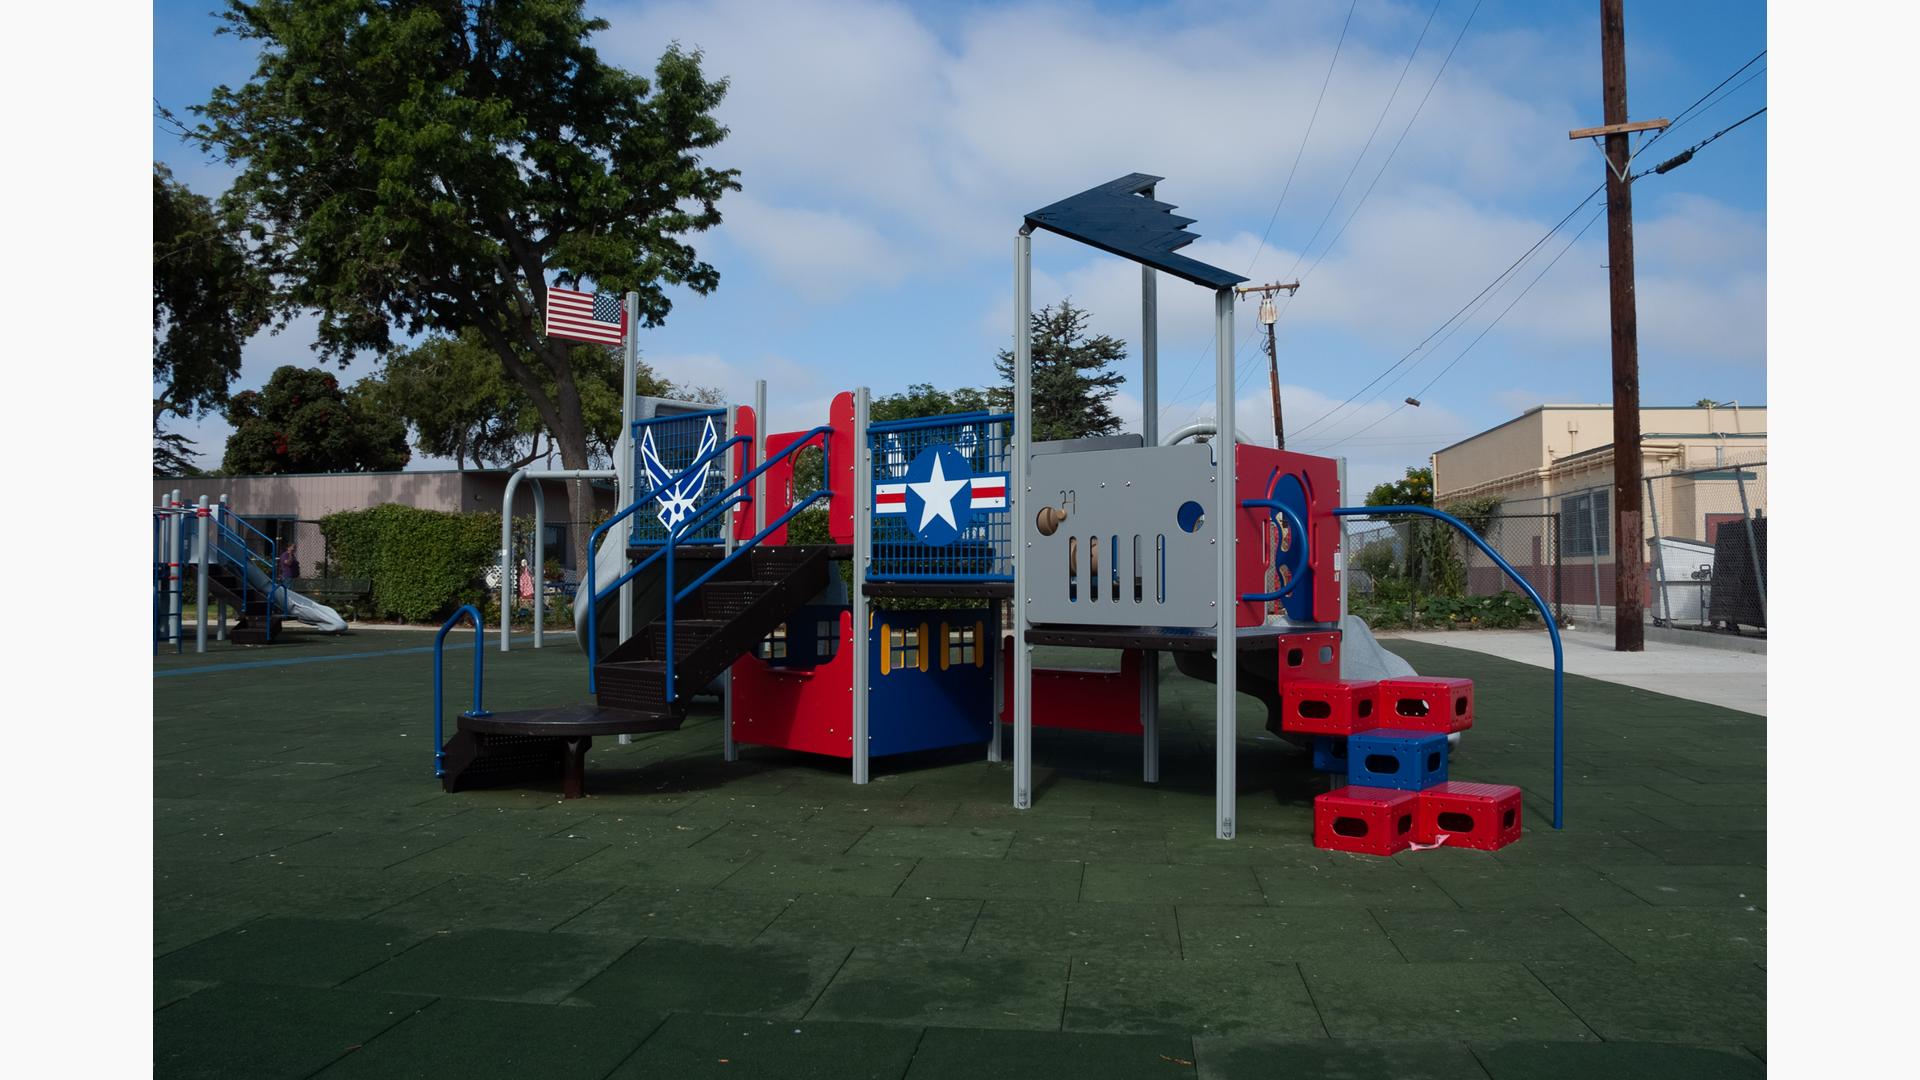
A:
{"x": 962, "y": 645}
{"x": 904, "y": 645}
{"x": 775, "y": 645}
{"x": 826, "y": 640}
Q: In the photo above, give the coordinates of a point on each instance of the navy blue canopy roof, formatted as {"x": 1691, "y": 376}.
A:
{"x": 1120, "y": 218}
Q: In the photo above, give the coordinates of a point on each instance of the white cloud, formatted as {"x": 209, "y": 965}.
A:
{"x": 818, "y": 254}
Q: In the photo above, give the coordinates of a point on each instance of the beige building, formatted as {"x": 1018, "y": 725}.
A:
{"x": 278, "y": 505}
{"x": 1707, "y": 466}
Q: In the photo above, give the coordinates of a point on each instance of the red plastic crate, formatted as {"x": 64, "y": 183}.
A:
{"x": 1481, "y": 816}
{"x": 1427, "y": 704}
{"x": 1329, "y": 708}
{"x": 1314, "y": 656}
{"x": 1364, "y": 820}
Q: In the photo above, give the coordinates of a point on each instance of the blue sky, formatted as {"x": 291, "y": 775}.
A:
{"x": 888, "y": 151}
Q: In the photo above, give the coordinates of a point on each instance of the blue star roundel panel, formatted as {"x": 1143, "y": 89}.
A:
{"x": 940, "y": 495}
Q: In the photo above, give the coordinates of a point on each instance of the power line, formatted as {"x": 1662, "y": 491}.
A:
{"x": 1382, "y": 171}
{"x": 1421, "y": 393}
{"x": 1686, "y": 155}
{"x": 1681, "y": 117}
{"x": 1288, "y": 186}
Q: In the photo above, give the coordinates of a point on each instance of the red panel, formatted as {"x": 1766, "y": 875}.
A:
{"x": 743, "y": 424}
{"x": 1485, "y": 817}
{"x": 780, "y": 481}
{"x": 1080, "y": 700}
{"x": 1256, "y": 468}
{"x": 809, "y": 710}
{"x": 1329, "y": 708}
{"x": 1427, "y": 704}
{"x": 1314, "y": 657}
{"x": 1382, "y": 818}
{"x": 841, "y": 456}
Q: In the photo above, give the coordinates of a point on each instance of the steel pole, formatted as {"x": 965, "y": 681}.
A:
{"x": 623, "y": 458}
{"x": 1659, "y": 554}
{"x": 1022, "y": 446}
{"x": 1753, "y": 548}
{"x": 537, "y": 569}
{"x": 1149, "y": 434}
{"x": 176, "y": 543}
{"x": 221, "y": 635}
{"x": 760, "y": 454}
{"x": 727, "y": 531}
{"x": 860, "y": 491}
{"x": 200, "y": 513}
{"x": 1226, "y": 724}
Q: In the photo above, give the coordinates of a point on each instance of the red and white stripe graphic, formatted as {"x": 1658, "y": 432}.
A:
{"x": 890, "y": 498}
{"x": 989, "y": 492}
{"x": 595, "y": 317}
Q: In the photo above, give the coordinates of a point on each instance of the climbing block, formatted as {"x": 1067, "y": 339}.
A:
{"x": 1328, "y": 708}
{"x": 1427, "y": 704}
{"x": 1481, "y": 816}
{"x": 1330, "y": 754}
{"x": 1315, "y": 657}
{"x": 1364, "y": 820}
{"x": 1397, "y": 758}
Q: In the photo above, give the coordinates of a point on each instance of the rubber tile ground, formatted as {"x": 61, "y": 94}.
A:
{"x": 323, "y": 909}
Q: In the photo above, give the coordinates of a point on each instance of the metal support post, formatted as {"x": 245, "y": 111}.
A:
{"x": 1340, "y": 557}
{"x": 538, "y": 567}
{"x": 221, "y": 635}
{"x": 727, "y": 750}
{"x": 176, "y": 542}
{"x": 861, "y": 490}
{"x": 1022, "y": 446}
{"x": 623, "y": 458}
{"x": 996, "y": 618}
{"x": 204, "y": 522}
{"x": 759, "y": 454}
{"x": 1149, "y": 434}
{"x": 1226, "y": 725}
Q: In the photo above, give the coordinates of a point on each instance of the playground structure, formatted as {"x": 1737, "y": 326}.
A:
{"x": 234, "y": 566}
{"x": 1222, "y": 553}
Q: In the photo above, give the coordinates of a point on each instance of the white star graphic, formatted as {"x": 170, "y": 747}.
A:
{"x": 938, "y": 492}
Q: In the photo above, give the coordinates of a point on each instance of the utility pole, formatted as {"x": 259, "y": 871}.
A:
{"x": 1629, "y": 582}
{"x": 1268, "y": 316}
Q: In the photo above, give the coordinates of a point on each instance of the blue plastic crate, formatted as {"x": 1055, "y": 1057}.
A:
{"x": 1393, "y": 758}
{"x": 1330, "y": 753}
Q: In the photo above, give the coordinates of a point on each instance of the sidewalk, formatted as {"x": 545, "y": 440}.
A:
{"x": 1735, "y": 680}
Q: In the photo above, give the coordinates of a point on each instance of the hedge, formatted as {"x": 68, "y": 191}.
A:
{"x": 422, "y": 563}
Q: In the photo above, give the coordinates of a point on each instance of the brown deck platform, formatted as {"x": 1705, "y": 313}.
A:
{"x": 506, "y": 746}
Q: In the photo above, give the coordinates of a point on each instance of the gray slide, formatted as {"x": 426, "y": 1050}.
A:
{"x": 295, "y": 606}
{"x": 1362, "y": 659}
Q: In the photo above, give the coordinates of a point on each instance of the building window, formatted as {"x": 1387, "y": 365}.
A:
{"x": 1585, "y": 523}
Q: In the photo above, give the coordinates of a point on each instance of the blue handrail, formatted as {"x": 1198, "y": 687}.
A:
{"x": 730, "y": 497}
{"x": 1553, "y": 628}
{"x": 945, "y": 420}
{"x": 269, "y": 563}
{"x": 1297, "y": 559}
{"x": 479, "y": 659}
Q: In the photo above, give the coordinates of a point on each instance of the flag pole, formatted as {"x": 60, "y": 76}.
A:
{"x": 623, "y": 460}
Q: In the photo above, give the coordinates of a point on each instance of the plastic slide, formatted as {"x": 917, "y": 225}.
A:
{"x": 295, "y": 606}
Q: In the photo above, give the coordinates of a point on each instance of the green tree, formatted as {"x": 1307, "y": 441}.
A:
{"x": 303, "y": 422}
{"x": 208, "y": 299}
{"x": 1073, "y": 378}
{"x": 431, "y": 165}
{"x": 924, "y": 399}
{"x": 1416, "y": 489}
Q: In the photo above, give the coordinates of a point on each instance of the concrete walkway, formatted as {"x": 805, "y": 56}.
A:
{"x": 1735, "y": 680}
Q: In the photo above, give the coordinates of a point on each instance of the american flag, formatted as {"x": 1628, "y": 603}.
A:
{"x": 596, "y": 317}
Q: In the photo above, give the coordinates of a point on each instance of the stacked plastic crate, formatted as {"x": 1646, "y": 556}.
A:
{"x": 1389, "y": 738}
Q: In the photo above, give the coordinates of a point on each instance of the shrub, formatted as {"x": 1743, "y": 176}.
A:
{"x": 422, "y": 563}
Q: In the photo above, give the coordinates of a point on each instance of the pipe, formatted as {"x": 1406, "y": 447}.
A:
{"x": 506, "y": 533}
{"x": 1203, "y": 427}
{"x": 1022, "y": 447}
{"x": 1226, "y": 650}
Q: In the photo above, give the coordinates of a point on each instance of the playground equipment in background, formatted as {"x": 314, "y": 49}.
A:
{"x": 235, "y": 565}
{"x": 1118, "y": 543}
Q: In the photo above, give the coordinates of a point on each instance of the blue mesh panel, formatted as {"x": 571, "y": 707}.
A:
{"x": 676, "y": 442}
{"x": 983, "y": 550}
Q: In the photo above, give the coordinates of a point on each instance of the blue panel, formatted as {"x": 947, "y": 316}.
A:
{"x": 663, "y": 447}
{"x": 1120, "y": 217}
{"x": 1391, "y": 758}
{"x": 1330, "y": 753}
{"x": 926, "y": 710}
{"x": 941, "y": 499}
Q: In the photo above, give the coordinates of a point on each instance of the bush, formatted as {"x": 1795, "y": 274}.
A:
{"x": 422, "y": 563}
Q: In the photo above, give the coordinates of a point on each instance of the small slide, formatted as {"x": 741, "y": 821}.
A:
{"x": 295, "y": 606}
{"x": 609, "y": 563}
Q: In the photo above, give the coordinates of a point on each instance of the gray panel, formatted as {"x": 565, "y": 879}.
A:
{"x": 1089, "y": 442}
{"x": 1129, "y": 494}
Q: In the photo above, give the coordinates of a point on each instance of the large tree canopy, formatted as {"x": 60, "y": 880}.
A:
{"x": 303, "y": 422}
{"x": 208, "y": 299}
{"x": 1073, "y": 378}
{"x": 431, "y": 165}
